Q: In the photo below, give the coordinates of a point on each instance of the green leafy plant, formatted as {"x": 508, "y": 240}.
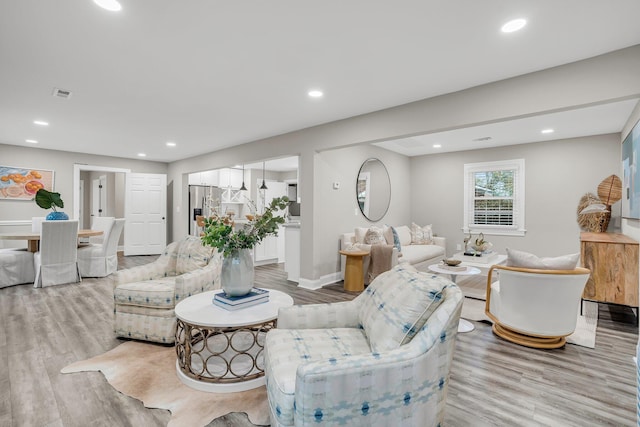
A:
{"x": 48, "y": 200}
{"x": 220, "y": 232}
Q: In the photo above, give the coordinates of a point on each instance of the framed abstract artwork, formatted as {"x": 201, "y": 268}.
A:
{"x": 631, "y": 178}
{"x": 18, "y": 183}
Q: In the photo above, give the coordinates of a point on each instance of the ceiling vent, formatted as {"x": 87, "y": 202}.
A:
{"x": 484, "y": 138}
{"x": 61, "y": 93}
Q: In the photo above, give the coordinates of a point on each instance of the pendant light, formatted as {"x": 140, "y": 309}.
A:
{"x": 243, "y": 188}
{"x": 263, "y": 186}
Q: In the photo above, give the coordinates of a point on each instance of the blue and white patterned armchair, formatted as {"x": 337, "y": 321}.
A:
{"x": 145, "y": 296}
{"x": 381, "y": 359}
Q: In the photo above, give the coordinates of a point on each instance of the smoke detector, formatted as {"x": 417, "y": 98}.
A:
{"x": 61, "y": 93}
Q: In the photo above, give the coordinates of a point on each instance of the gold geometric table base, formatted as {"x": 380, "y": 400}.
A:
{"x": 210, "y": 356}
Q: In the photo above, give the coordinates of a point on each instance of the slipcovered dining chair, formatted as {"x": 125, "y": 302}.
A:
{"x": 36, "y": 223}
{"x": 57, "y": 261}
{"x": 535, "y": 307}
{"x": 100, "y": 260}
{"x": 16, "y": 267}
{"x": 101, "y": 223}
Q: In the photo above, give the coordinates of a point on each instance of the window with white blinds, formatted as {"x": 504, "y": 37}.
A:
{"x": 494, "y": 197}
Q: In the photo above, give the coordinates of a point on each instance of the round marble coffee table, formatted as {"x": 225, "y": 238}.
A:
{"x": 463, "y": 325}
{"x": 221, "y": 351}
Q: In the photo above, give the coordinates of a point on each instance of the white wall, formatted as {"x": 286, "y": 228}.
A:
{"x": 594, "y": 81}
{"x": 557, "y": 174}
{"x": 339, "y": 212}
{"x": 62, "y": 163}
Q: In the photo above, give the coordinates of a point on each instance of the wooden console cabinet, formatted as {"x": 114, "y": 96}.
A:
{"x": 613, "y": 261}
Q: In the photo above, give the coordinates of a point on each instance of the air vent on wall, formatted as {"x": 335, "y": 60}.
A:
{"x": 61, "y": 93}
{"x": 484, "y": 138}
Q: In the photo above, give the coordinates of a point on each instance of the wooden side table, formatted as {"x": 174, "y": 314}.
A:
{"x": 353, "y": 274}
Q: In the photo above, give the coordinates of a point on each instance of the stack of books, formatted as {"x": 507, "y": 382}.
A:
{"x": 254, "y": 297}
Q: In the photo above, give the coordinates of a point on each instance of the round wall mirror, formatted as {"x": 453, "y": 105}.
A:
{"x": 373, "y": 189}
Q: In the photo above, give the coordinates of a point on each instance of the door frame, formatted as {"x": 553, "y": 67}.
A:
{"x": 76, "y": 179}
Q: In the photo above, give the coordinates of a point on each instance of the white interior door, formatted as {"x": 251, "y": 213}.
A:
{"x": 145, "y": 213}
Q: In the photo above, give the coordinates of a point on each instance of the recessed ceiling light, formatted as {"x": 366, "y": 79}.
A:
{"x": 547, "y": 131}
{"x": 31, "y": 141}
{"x": 111, "y": 5}
{"x": 142, "y": 155}
{"x": 514, "y": 25}
{"x": 315, "y": 93}
{"x": 40, "y": 123}
{"x": 437, "y": 145}
{"x": 171, "y": 144}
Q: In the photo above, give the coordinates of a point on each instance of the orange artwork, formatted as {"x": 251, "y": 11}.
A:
{"x": 23, "y": 183}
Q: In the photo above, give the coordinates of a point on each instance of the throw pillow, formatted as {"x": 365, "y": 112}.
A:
{"x": 404, "y": 234}
{"x": 374, "y": 236}
{"x": 397, "y": 304}
{"x": 522, "y": 259}
{"x": 360, "y": 232}
{"x": 392, "y": 238}
{"x": 421, "y": 235}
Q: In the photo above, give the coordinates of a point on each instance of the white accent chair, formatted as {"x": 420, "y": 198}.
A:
{"x": 534, "y": 307}
{"x": 16, "y": 267}
{"x": 382, "y": 359}
{"x": 100, "y": 260}
{"x": 101, "y": 223}
{"x": 57, "y": 261}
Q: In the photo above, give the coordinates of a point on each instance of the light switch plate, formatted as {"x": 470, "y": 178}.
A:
{"x": 336, "y": 185}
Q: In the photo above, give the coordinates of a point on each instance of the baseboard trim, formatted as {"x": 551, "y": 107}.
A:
{"x": 319, "y": 283}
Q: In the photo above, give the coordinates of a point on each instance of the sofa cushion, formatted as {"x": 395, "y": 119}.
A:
{"x": 192, "y": 254}
{"x": 158, "y": 293}
{"x": 397, "y": 304}
{"x": 421, "y": 235}
{"x": 404, "y": 233}
{"x": 414, "y": 254}
{"x": 526, "y": 260}
{"x": 286, "y": 349}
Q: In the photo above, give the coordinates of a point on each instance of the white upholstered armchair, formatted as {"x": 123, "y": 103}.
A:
{"x": 381, "y": 359}
{"x": 145, "y": 296}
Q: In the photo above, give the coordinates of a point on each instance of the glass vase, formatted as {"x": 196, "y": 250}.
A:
{"x": 237, "y": 273}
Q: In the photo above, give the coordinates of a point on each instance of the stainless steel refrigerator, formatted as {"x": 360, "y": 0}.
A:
{"x": 203, "y": 199}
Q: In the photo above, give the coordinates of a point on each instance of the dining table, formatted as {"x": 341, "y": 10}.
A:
{"x": 33, "y": 238}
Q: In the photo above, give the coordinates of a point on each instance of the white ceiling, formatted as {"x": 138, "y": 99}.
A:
{"x": 597, "y": 120}
{"x": 211, "y": 74}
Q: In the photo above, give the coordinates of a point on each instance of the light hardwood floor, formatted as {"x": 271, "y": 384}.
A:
{"x": 493, "y": 382}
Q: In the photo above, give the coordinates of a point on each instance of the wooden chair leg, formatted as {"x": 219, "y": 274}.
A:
{"x": 528, "y": 340}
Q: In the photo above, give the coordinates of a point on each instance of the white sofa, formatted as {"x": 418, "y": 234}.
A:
{"x": 419, "y": 256}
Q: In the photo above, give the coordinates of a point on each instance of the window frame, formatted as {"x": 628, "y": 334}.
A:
{"x": 518, "y": 227}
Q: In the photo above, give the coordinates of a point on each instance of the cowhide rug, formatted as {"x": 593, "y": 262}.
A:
{"x": 148, "y": 373}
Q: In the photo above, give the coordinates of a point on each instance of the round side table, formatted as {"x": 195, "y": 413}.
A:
{"x": 463, "y": 325}
{"x": 353, "y": 274}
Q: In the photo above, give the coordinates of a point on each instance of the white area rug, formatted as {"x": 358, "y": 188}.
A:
{"x": 473, "y": 309}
